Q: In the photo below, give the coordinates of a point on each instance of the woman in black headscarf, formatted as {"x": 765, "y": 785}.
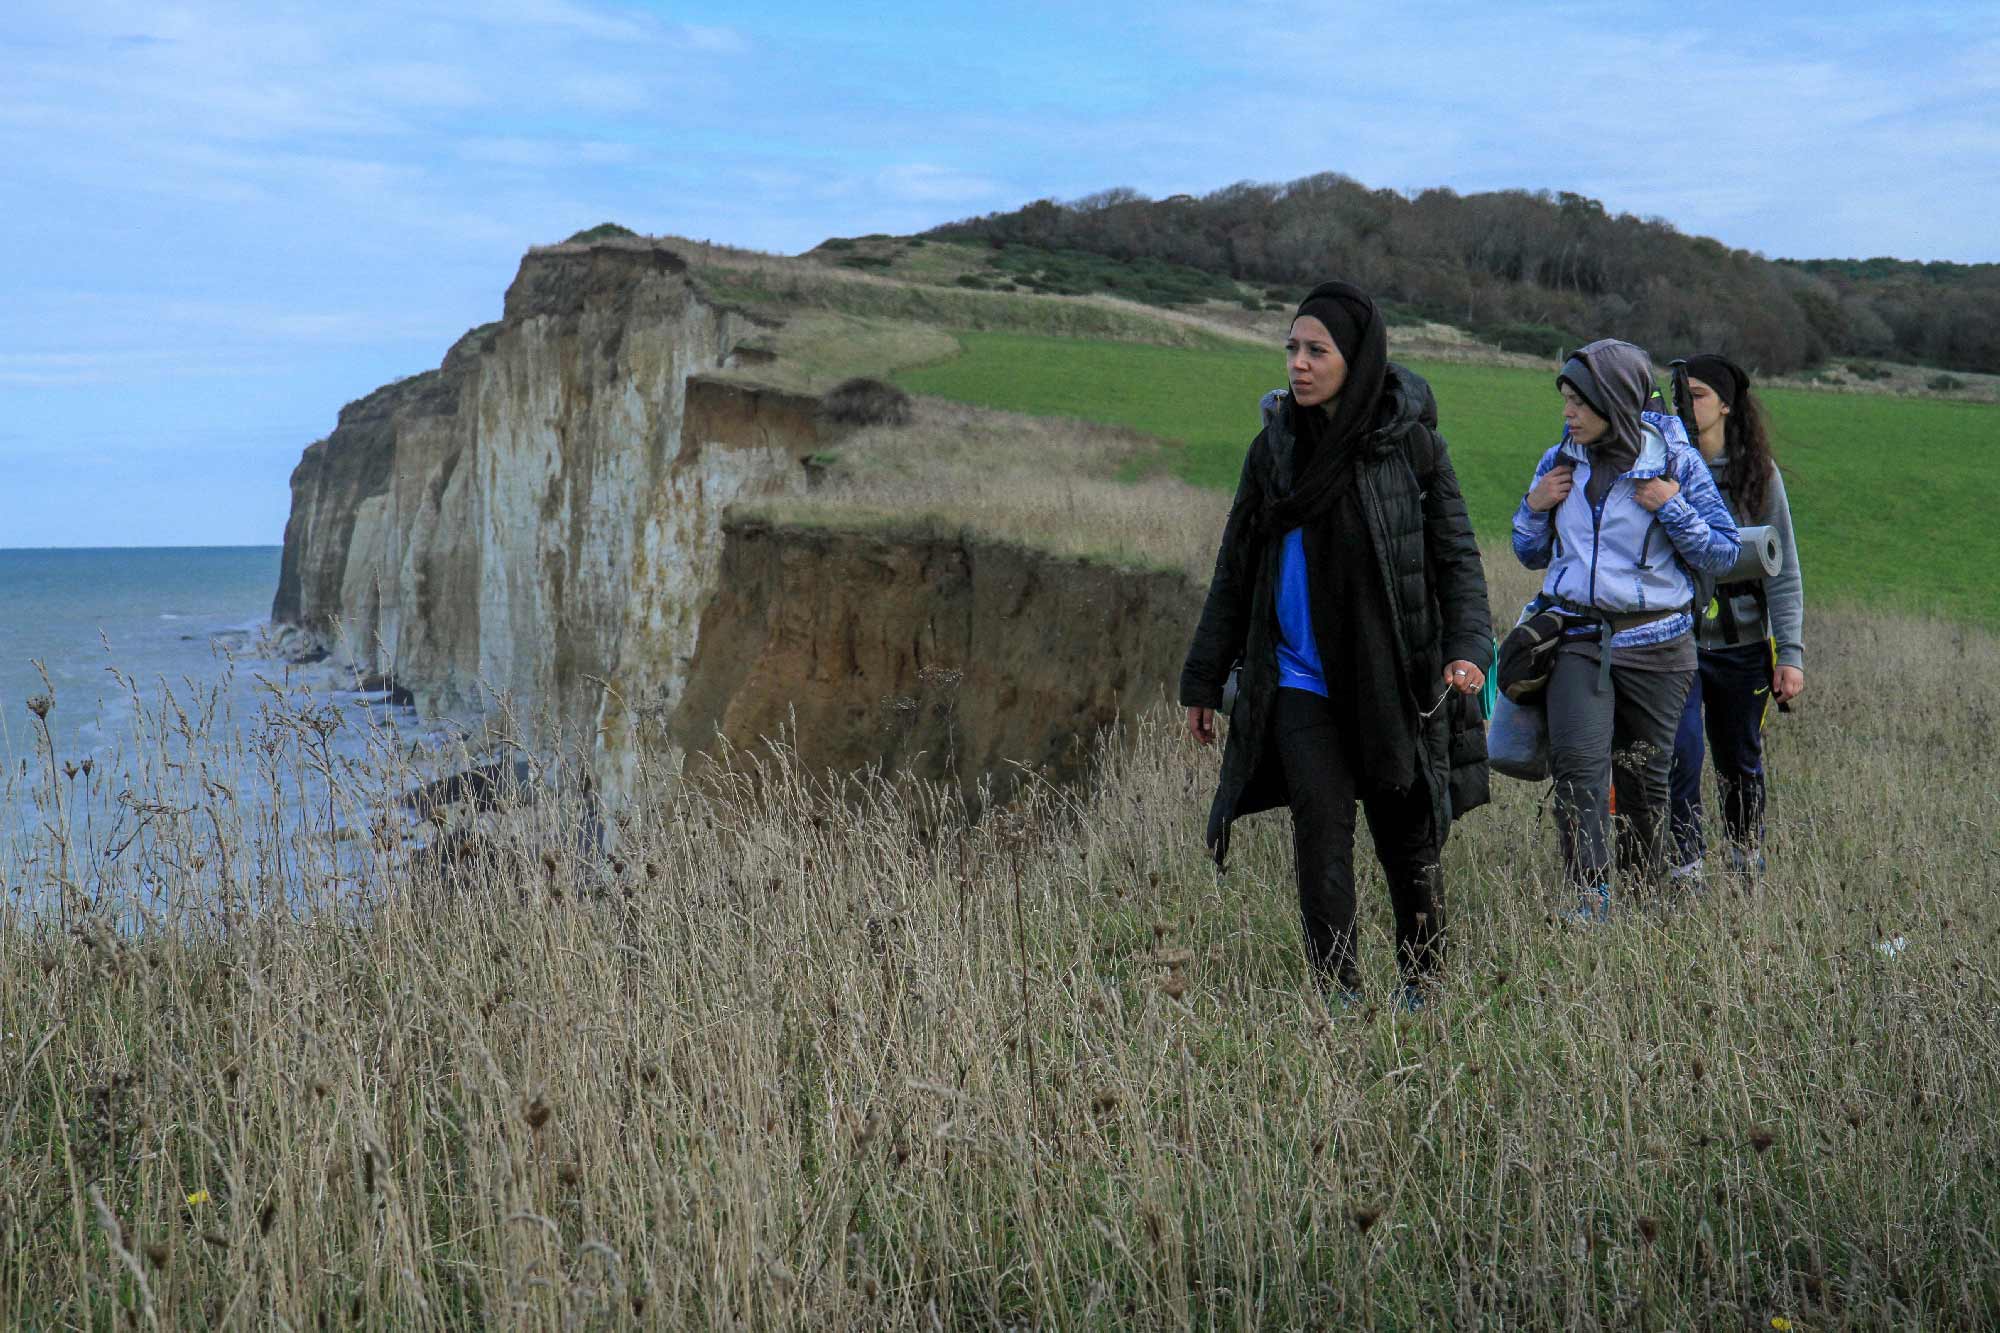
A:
{"x": 1349, "y": 588}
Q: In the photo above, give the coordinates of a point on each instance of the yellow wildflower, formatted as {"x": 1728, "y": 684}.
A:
{"x": 201, "y": 1196}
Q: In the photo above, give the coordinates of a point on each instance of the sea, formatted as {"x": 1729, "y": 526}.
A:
{"x": 125, "y": 645}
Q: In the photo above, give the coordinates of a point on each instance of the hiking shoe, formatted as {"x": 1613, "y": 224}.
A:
{"x": 1740, "y": 862}
{"x": 1593, "y": 907}
{"x": 1347, "y": 1000}
{"x": 1412, "y": 1000}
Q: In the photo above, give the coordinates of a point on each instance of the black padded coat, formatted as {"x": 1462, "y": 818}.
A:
{"x": 1424, "y": 546}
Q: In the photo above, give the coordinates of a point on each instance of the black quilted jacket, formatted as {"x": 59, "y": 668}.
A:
{"x": 1423, "y": 543}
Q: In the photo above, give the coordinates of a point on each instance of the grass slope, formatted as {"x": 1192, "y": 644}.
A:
{"x": 1883, "y": 489}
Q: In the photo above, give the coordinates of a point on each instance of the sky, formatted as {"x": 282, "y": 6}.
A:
{"x": 221, "y": 221}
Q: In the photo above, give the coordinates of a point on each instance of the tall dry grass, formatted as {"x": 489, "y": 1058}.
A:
{"x": 788, "y": 1057}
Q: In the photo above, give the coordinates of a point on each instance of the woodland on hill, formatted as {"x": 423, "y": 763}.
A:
{"x": 1534, "y": 271}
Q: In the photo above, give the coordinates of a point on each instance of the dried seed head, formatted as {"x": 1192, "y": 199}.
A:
{"x": 1175, "y": 985}
{"x": 569, "y": 1173}
{"x": 41, "y": 705}
{"x": 1761, "y": 1139}
{"x": 870, "y": 1126}
{"x": 1698, "y": 1069}
{"x": 1649, "y": 1230}
{"x": 157, "y": 1253}
{"x": 1365, "y": 1218}
{"x": 537, "y": 1114}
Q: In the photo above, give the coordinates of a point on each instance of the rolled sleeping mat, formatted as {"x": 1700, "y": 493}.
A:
{"x": 1762, "y": 557}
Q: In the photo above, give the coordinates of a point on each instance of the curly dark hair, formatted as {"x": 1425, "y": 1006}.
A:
{"x": 1748, "y": 474}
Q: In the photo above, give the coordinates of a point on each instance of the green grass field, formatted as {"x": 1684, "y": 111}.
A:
{"x": 1884, "y": 490}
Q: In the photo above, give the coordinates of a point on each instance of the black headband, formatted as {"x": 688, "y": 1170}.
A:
{"x": 1719, "y": 373}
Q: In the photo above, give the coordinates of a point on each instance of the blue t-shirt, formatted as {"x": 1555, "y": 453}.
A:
{"x": 1298, "y": 650}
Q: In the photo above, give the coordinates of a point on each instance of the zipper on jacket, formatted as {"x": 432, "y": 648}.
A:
{"x": 1596, "y": 540}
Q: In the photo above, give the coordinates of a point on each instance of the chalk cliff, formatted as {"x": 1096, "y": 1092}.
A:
{"x": 540, "y": 520}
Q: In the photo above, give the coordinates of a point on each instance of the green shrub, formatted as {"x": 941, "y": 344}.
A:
{"x": 867, "y": 261}
{"x": 1947, "y": 383}
{"x": 1866, "y": 370}
{"x": 866, "y": 402}
{"x": 603, "y": 231}
{"x": 1534, "y": 339}
{"x": 837, "y": 243}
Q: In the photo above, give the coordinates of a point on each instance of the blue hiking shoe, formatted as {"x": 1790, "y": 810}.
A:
{"x": 1593, "y": 907}
{"x": 1412, "y": 1000}
{"x": 1742, "y": 864}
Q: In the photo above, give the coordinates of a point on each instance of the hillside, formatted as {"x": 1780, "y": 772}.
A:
{"x": 1534, "y": 272}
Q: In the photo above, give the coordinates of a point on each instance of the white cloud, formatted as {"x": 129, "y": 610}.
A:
{"x": 714, "y": 40}
{"x": 611, "y": 93}
{"x": 922, "y": 182}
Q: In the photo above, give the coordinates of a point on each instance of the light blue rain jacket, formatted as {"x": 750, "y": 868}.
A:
{"x": 1620, "y": 558}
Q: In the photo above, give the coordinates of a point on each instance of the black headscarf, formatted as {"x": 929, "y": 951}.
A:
{"x": 1325, "y": 435}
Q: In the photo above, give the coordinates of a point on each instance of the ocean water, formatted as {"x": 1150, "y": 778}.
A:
{"x": 169, "y": 616}
{"x": 177, "y": 739}
{"x": 163, "y": 683}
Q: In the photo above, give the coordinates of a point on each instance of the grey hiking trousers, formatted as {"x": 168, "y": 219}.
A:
{"x": 1603, "y": 737}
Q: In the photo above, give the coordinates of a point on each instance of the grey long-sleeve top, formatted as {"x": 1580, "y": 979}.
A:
{"x": 1785, "y": 593}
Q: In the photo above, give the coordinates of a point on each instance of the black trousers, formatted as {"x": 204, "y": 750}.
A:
{"x": 1317, "y": 745}
{"x": 1729, "y": 699}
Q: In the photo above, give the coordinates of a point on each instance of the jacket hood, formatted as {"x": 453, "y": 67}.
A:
{"x": 1620, "y": 379}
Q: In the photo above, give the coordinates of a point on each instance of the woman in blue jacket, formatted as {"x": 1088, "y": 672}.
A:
{"x": 1621, "y": 514}
{"x": 1750, "y": 636}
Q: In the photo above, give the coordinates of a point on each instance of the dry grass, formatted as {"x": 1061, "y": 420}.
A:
{"x": 1050, "y": 484}
{"x": 786, "y": 1059}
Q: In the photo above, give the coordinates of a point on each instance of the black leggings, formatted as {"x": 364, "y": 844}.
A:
{"x": 1317, "y": 746}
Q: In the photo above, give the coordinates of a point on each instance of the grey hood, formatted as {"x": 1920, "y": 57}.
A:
{"x": 1615, "y": 378}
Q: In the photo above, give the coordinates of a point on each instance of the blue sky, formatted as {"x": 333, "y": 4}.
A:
{"x": 221, "y": 221}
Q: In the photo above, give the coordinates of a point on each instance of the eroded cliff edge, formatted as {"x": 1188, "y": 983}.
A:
{"x": 538, "y": 520}
{"x": 950, "y": 657}
{"x": 539, "y": 523}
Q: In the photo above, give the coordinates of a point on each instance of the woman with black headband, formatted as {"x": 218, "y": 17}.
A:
{"x": 1750, "y": 636}
{"x": 1619, "y": 514}
{"x": 1348, "y": 587}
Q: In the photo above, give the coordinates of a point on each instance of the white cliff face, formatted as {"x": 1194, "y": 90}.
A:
{"x": 537, "y": 525}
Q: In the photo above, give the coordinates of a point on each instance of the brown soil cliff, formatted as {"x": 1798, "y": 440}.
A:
{"x": 951, "y": 658}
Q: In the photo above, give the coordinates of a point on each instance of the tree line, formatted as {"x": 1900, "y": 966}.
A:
{"x": 1536, "y": 271}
